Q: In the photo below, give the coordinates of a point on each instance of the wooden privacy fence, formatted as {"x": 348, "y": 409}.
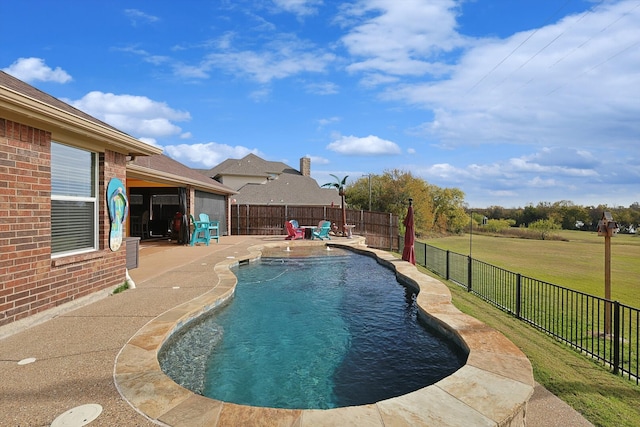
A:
{"x": 380, "y": 229}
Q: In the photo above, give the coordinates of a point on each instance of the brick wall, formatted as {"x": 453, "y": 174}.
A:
{"x": 30, "y": 280}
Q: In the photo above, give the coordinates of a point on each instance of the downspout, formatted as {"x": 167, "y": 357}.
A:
{"x": 128, "y": 280}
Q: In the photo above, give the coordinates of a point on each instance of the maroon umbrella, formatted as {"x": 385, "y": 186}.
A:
{"x": 408, "y": 254}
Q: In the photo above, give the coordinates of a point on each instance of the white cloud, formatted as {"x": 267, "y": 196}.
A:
{"x": 146, "y": 56}
{"x": 368, "y": 146}
{"x": 538, "y": 182}
{"x": 136, "y": 115}
{"x": 322, "y": 88}
{"x": 445, "y": 172}
{"x": 260, "y": 95}
{"x": 371, "y": 80}
{"x": 401, "y": 37}
{"x": 34, "y": 69}
{"x": 568, "y": 93}
{"x": 265, "y": 66}
{"x": 573, "y": 83}
{"x": 299, "y": 7}
{"x": 206, "y": 155}
{"x": 317, "y": 160}
{"x": 282, "y": 57}
{"x": 328, "y": 121}
{"x": 548, "y": 174}
{"x": 191, "y": 71}
{"x": 576, "y": 158}
{"x": 136, "y": 16}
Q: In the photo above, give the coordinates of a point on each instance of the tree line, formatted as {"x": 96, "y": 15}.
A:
{"x": 443, "y": 210}
{"x": 568, "y": 215}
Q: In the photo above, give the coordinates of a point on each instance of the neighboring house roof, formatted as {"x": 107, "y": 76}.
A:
{"x": 22, "y": 102}
{"x": 279, "y": 183}
{"x": 249, "y": 165}
{"x": 288, "y": 189}
{"x": 161, "y": 168}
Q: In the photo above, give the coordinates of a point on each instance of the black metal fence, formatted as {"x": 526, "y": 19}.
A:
{"x": 605, "y": 330}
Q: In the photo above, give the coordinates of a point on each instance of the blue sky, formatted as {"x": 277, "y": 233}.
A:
{"x": 513, "y": 102}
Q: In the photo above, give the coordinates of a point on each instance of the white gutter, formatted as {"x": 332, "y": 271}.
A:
{"x": 19, "y": 107}
{"x": 140, "y": 172}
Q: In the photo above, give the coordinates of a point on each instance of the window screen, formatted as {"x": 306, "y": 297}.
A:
{"x": 73, "y": 200}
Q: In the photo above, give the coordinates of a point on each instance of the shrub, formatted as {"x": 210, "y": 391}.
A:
{"x": 544, "y": 227}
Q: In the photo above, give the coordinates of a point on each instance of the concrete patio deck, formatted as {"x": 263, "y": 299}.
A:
{"x": 75, "y": 346}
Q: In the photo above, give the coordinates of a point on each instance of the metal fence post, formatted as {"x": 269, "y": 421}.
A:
{"x": 616, "y": 336}
{"x": 518, "y": 294}
{"x": 447, "y": 263}
{"x": 469, "y": 275}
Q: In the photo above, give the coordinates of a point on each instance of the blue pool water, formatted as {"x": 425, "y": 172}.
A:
{"x": 311, "y": 332}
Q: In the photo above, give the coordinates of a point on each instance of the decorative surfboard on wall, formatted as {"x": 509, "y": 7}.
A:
{"x": 118, "y": 209}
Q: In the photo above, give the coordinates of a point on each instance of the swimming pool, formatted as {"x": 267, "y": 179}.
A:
{"x": 492, "y": 388}
{"x": 323, "y": 330}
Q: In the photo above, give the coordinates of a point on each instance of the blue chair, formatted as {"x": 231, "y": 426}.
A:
{"x": 322, "y": 231}
{"x": 214, "y": 227}
{"x": 200, "y": 232}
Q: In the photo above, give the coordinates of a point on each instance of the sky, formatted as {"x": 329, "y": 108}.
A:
{"x": 513, "y": 102}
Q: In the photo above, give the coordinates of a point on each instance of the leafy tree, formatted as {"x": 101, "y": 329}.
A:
{"x": 359, "y": 193}
{"x": 570, "y": 214}
{"x": 435, "y": 209}
{"x": 495, "y": 212}
{"x": 531, "y": 214}
{"x": 449, "y": 214}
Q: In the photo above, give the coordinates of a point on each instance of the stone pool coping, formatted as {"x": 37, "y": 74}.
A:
{"x": 491, "y": 389}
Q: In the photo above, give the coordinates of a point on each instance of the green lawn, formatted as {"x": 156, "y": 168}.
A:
{"x": 603, "y": 398}
{"x": 576, "y": 264}
{"x": 591, "y": 389}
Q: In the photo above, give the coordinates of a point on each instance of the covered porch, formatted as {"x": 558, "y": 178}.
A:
{"x": 163, "y": 194}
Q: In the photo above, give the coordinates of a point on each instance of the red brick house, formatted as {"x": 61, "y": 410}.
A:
{"x": 55, "y": 163}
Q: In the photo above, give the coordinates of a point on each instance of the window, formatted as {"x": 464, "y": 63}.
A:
{"x": 74, "y": 206}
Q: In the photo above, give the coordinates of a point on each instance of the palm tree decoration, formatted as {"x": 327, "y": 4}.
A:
{"x": 340, "y": 185}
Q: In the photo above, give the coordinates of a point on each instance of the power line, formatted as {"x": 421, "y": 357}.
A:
{"x": 598, "y": 65}
{"x": 546, "y": 46}
{"x": 518, "y": 47}
{"x": 580, "y": 46}
{"x": 606, "y": 27}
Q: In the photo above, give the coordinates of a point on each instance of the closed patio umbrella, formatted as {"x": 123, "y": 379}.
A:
{"x": 183, "y": 233}
{"x": 408, "y": 254}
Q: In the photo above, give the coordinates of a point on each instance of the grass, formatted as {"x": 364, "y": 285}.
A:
{"x": 601, "y": 397}
{"x": 121, "y": 288}
{"x": 577, "y": 263}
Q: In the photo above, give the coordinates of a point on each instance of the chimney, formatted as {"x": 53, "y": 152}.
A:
{"x": 305, "y": 166}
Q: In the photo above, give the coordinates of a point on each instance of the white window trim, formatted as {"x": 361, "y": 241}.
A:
{"x": 96, "y": 208}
